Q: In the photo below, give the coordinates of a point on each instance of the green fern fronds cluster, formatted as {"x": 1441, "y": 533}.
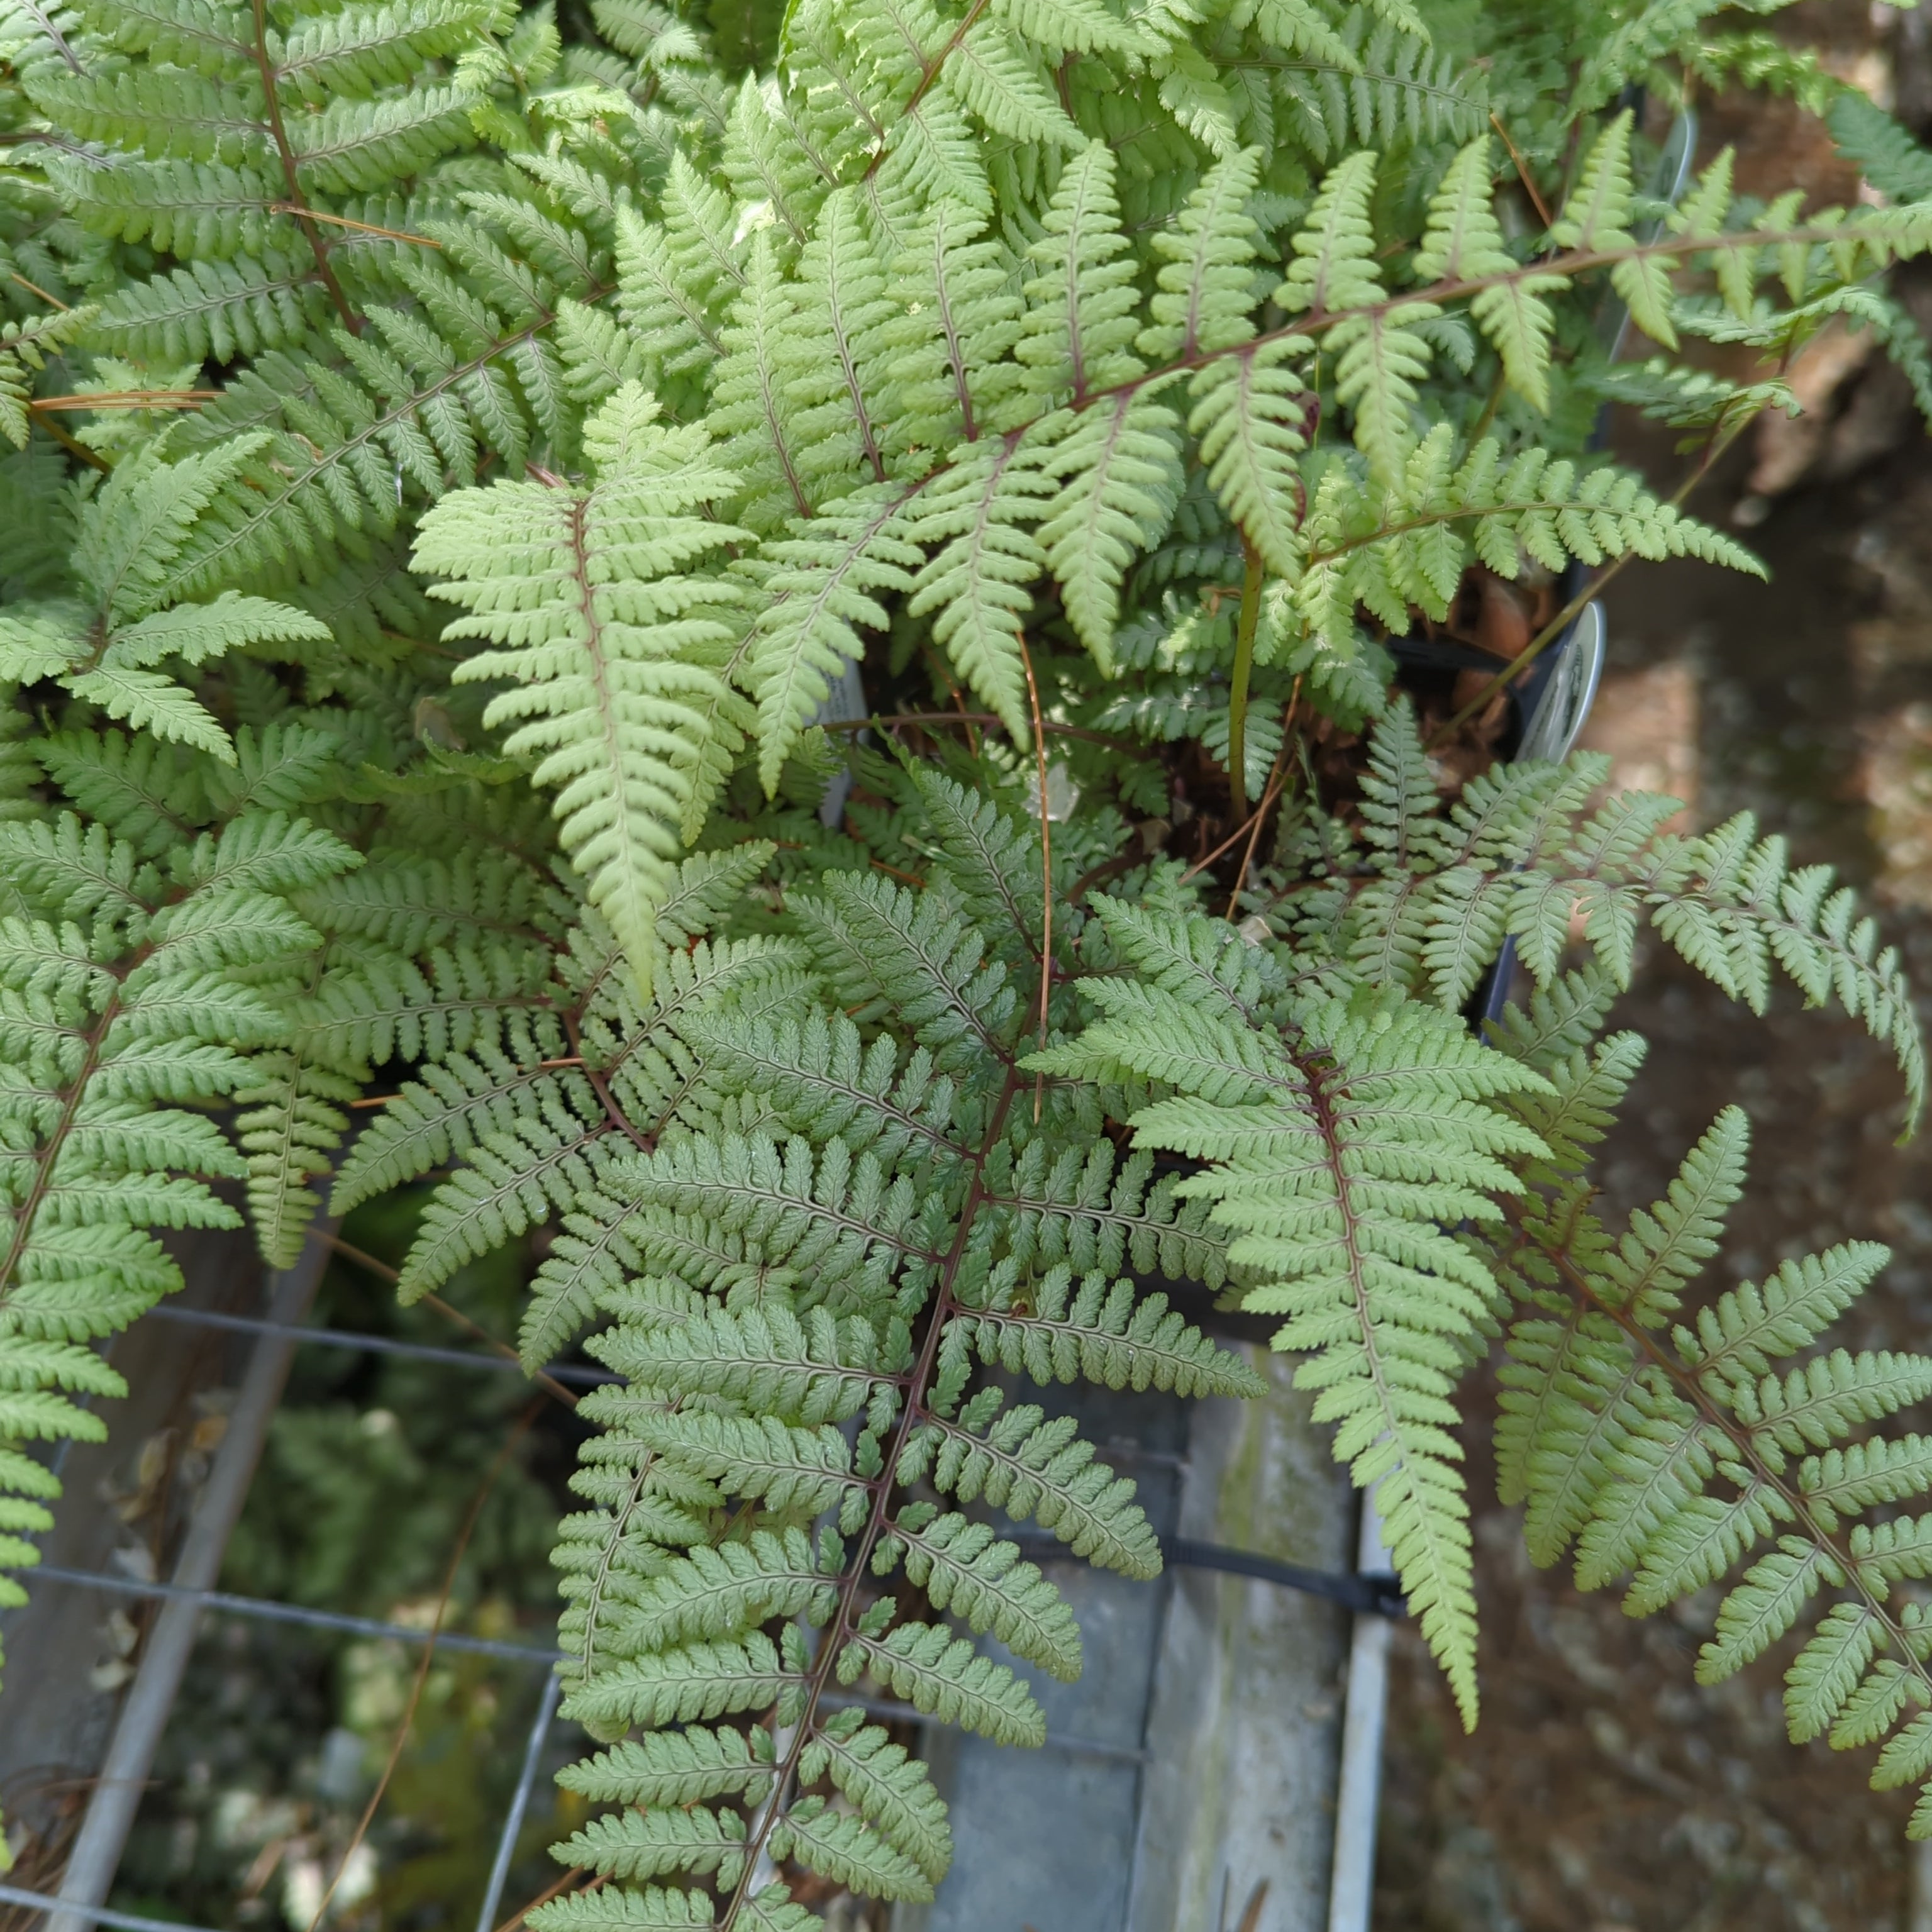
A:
{"x": 464, "y": 461}
{"x": 977, "y": 433}
{"x": 815, "y": 1221}
{"x": 1039, "y": 331}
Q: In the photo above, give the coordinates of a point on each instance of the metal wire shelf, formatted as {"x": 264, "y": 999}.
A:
{"x": 573, "y": 1373}
{"x": 71, "y": 1908}
{"x": 67, "y": 1914}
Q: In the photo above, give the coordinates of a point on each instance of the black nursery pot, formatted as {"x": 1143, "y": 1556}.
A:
{"x": 1550, "y": 704}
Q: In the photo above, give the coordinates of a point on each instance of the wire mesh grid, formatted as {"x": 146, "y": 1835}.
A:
{"x": 63, "y": 1912}
{"x": 283, "y": 1330}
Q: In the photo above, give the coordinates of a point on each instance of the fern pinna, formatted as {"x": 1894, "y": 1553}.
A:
{"x": 457, "y": 462}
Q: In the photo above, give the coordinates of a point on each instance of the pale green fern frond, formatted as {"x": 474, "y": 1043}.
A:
{"x": 823, "y": 584}
{"x": 977, "y": 583}
{"x": 611, "y": 643}
{"x": 1682, "y": 1453}
{"x": 1318, "y": 1146}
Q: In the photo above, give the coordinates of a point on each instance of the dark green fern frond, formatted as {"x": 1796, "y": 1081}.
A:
{"x": 143, "y": 981}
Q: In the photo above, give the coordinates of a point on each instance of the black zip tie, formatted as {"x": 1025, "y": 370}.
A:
{"x": 1373, "y": 1593}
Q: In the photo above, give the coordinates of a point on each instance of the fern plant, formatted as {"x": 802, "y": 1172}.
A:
{"x": 787, "y": 1221}
{"x": 1680, "y": 1449}
{"x": 1107, "y": 386}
